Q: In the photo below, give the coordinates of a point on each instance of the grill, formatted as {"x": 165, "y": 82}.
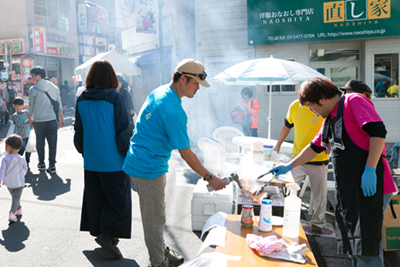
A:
{"x": 272, "y": 192}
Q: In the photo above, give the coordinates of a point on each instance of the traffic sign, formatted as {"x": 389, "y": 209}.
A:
{"x": 101, "y": 16}
{"x": 4, "y": 75}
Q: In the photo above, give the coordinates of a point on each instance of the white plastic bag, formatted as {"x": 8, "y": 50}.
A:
{"x": 31, "y": 145}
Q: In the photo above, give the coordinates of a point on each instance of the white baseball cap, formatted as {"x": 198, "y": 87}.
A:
{"x": 194, "y": 69}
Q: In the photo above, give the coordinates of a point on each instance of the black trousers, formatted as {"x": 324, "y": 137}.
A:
{"x": 11, "y": 111}
{"x": 107, "y": 204}
{"x": 46, "y": 130}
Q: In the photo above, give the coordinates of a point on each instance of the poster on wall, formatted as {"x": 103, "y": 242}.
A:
{"x": 146, "y": 17}
{"x": 290, "y": 21}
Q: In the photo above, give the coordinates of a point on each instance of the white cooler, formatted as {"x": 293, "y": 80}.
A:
{"x": 205, "y": 204}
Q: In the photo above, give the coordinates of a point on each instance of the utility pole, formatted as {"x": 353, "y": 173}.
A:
{"x": 161, "y": 41}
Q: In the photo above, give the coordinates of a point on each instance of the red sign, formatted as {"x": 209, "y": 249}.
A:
{"x": 27, "y": 65}
{"x": 13, "y": 46}
{"x": 39, "y": 45}
{"x": 101, "y": 16}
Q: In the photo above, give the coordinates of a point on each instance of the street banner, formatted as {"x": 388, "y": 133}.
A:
{"x": 146, "y": 17}
{"x": 27, "y": 65}
{"x": 290, "y": 21}
{"x": 82, "y": 18}
{"x": 17, "y": 46}
{"x": 39, "y": 40}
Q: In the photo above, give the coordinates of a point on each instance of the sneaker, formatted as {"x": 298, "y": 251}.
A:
{"x": 12, "y": 218}
{"x": 315, "y": 230}
{"x": 19, "y": 211}
{"x": 108, "y": 243}
{"x": 41, "y": 167}
{"x": 51, "y": 169}
{"x": 173, "y": 257}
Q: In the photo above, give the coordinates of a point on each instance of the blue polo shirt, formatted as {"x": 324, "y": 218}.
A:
{"x": 161, "y": 127}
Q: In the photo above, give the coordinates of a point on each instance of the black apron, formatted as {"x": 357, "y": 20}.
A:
{"x": 358, "y": 218}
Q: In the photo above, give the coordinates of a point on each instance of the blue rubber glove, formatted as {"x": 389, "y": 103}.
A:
{"x": 368, "y": 181}
{"x": 281, "y": 169}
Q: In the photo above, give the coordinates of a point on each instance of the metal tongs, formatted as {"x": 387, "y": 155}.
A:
{"x": 261, "y": 190}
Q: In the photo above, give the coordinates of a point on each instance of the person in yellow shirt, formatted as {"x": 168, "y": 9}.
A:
{"x": 306, "y": 125}
{"x": 394, "y": 89}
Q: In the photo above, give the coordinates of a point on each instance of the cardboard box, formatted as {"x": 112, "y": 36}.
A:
{"x": 391, "y": 226}
{"x": 204, "y": 203}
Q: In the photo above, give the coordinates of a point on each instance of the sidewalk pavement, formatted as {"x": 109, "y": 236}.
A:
{"x": 48, "y": 233}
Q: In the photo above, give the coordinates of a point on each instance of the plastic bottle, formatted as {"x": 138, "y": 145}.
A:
{"x": 267, "y": 152}
{"x": 291, "y": 217}
{"x": 265, "y": 220}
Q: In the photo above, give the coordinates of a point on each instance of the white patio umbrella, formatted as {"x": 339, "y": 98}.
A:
{"x": 266, "y": 71}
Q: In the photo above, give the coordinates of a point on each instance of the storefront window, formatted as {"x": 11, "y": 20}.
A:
{"x": 386, "y": 73}
{"x": 39, "y": 7}
{"x": 281, "y": 88}
{"x": 318, "y": 55}
{"x": 52, "y": 13}
{"x": 340, "y": 76}
{"x": 40, "y": 61}
{"x": 51, "y": 62}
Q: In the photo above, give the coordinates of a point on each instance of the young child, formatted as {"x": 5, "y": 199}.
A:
{"x": 12, "y": 173}
{"x": 21, "y": 121}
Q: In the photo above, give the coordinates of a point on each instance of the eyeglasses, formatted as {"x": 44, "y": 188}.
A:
{"x": 201, "y": 76}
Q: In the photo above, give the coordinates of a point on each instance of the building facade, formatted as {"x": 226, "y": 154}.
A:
{"x": 343, "y": 40}
{"x": 156, "y": 35}
{"x": 38, "y": 33}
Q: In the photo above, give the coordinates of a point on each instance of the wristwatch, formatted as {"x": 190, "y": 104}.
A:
{"x": 208, "y": 177}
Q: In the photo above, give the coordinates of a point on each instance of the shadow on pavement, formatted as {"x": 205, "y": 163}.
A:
{"x": 45, "y": 187}
{"x": 100, "y": 257}
{"x": 14, "y": 236}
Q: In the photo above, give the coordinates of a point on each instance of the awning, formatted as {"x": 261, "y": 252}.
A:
{"x": 154, "y": 57}
{"x": 119, "y": 63}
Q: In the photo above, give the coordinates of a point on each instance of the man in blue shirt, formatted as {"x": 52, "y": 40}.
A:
{"x": 161, "y": 127}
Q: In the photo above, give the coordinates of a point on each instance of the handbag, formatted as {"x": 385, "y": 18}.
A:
{"x": 31, "y": 145}
{"x": 236, "y": 118}
{"x": 247, "y": 118}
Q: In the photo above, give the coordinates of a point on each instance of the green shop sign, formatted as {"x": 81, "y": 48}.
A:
{"x": 289, "y": 21}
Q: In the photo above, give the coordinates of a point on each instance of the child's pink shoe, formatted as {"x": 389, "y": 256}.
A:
{"x": 19, "y": 211}
{"x": 12, "y": 218}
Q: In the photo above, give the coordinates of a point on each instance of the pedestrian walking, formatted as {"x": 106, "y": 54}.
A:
{"x": 102, "y": 137}
{"x": 355, "y": 133}
{"x": 43, "y": 116}
{"x": 12, "y": 174}
{"x": 21, "y": 121}
{"x": 9, "y": 93}
{"x": 3, "y": 110}
{"x": 160, "y": 128}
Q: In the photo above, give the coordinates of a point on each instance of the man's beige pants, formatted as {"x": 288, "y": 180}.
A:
{"x": 318, "y": 178}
